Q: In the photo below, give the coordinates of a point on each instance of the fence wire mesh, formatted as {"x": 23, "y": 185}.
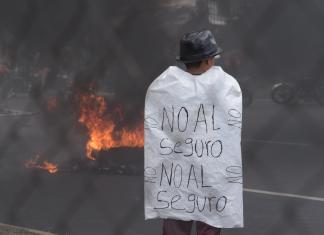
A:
{"x": 65, "y": 65}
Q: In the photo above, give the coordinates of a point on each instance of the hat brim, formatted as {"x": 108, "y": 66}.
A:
{"x": 218, "y": 52}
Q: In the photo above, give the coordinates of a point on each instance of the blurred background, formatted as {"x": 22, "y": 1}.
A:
{"x": 73, "y": 78}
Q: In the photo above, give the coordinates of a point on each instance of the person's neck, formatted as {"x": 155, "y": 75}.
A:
{"x": 199, "y": 70}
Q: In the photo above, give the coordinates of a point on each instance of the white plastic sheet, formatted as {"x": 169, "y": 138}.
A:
{"x": 193, "y": 168}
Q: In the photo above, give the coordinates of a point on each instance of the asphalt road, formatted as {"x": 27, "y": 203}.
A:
{"x": 283, "y": 176}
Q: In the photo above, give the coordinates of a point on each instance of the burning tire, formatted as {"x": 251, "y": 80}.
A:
{"x": 282, "y": 93}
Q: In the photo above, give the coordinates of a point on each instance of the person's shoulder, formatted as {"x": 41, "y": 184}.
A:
{"x": 229, "y": 79}
{"x": 224, "y": 74}
{"x": 163, "y": 77}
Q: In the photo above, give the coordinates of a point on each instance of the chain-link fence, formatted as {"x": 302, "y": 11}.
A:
{"x": 73, "y": 70}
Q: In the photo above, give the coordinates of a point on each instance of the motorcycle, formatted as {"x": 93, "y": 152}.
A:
{"x": 303, "y": 89}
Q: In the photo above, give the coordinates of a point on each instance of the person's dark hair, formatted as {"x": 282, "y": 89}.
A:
{"x": 195, "y": 64}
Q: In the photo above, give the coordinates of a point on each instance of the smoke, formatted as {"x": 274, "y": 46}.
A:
{"x": 123, "y": 45}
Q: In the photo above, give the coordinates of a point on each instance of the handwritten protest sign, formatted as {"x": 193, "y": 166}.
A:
{"x": 193, "y": 168}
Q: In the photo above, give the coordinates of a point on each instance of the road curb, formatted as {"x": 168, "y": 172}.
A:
{"x": 6, "y": 229}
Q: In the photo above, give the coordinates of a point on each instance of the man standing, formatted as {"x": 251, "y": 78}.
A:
{"x": 193, "y": 169}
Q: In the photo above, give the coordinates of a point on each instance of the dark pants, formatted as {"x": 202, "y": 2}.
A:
{"x": 179, "y": 227}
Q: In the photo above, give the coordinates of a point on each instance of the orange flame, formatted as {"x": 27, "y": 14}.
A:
{"x": 50, "y": 167}
{"x": 102, "y": 129}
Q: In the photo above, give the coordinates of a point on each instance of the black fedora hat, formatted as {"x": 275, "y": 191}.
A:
{"x": 198, "y": 46}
